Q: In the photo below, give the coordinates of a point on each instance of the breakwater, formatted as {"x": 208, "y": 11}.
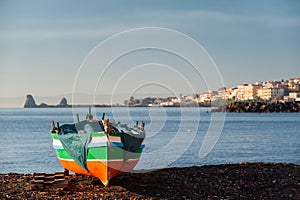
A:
{"x": 260, "y": 107}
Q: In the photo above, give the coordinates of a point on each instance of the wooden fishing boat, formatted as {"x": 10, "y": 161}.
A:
{"x": 98, "y": 147}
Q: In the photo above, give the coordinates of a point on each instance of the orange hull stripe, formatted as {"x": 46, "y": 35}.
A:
{"x": 100, "y": 169}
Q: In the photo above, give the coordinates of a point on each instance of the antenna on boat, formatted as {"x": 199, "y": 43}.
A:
{"x": 77, "y": 117}
{"x": 53, "y": 127}
{"x": 143, "y": 126}
{"x": 89, "y": 115}
{"x": 58, "y": 128}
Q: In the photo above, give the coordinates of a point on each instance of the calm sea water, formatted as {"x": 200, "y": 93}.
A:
{"x": 175, "y": 137}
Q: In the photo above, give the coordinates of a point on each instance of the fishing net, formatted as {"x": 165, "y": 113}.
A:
{"x": 75, "y": 140}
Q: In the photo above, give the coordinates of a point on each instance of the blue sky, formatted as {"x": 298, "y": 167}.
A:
{"x": 43, "y": 43}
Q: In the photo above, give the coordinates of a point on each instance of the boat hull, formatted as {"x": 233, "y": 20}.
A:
{"x": 100, "y": 169}
{"x": 106, "y": 157}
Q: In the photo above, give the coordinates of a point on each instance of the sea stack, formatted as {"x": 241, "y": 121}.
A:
{"x": 30, "y": 102}
{"x": 63, "y": 103}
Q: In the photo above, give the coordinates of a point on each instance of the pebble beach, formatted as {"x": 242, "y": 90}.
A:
{"x": 227, "y": 181}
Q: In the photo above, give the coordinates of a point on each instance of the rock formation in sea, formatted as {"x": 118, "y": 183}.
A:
{"x": 63, "y": 103}
{"x": 30, "y": 102}
{"x": 44, "y": 105}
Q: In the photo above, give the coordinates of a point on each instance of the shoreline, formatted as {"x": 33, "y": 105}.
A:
{"x": 237, "y": 107}
{"x": 238, "y": 181}
{"x": 260, "y": 107}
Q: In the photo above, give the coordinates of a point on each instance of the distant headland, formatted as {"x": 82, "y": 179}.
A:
{"x": 30, "y": 103}
{"x": 257, "y": 106}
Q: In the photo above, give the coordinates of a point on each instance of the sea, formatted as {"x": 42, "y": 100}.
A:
{"x": 175, "y": 137}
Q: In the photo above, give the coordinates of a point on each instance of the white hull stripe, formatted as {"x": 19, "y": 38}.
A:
{"x": 95, "y": 145}
{"x": 98, "y": 139}
{"x": 99, "y": 160}
{"x": 94, "y": 140}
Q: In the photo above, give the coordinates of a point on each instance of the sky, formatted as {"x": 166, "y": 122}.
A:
{"x": 44, "y": 43}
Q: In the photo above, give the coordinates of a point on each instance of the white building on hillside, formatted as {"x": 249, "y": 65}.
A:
{"x": 207, "y": 96}
{"x": 268, "y": 93}
{"x": 247, "y": 91}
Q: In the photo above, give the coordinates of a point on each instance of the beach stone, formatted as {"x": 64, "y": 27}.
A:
{"x": 227, "y": 181}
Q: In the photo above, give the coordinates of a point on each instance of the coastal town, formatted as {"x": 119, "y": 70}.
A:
{"x": 268, "y": 96}
{"x": 268, "y": 91}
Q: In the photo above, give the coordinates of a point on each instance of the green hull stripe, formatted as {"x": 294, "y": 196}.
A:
{"x": 101, "y": 153}
{"x": 54, "y": 136}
